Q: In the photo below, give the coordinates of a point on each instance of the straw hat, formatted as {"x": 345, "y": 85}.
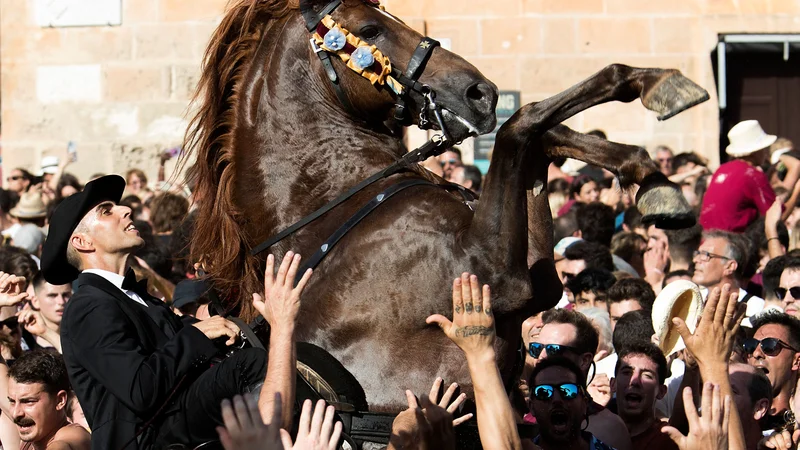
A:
{"x": 30, "y": 206}
{"x": 748, "y": 137}
{"x": 681, "y": 298}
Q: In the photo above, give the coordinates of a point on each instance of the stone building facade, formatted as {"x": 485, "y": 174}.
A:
{"x": 121, "y": 92}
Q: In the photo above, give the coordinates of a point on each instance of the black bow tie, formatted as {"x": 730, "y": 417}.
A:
{"x": 131, "y": 284}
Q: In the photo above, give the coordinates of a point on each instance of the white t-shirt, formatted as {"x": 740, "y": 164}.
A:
{"x": 754, "y": 304}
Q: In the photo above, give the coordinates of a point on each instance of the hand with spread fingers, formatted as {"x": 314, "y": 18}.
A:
{"x": 316, "y": 430}
{"x": 712, "y": 340}
{"x": 281, "y": 302}
{"x": 422, "y": 428}
{"x": 447, "y": 397}
{"x": 244, "y": 429}
{"x": 472, "y": 327}
{"x": 709, "y": 431}
{"x": 711, "y": 345}
{"x": 12, "y": 289}
{"x": 472, "y": 330}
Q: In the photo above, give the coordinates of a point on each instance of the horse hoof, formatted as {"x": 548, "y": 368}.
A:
{"x": 662, "y": 204}
{"x": 672, "y": 95}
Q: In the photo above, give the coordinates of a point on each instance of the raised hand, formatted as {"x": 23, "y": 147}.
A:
{"x": 281, "y": 301}
{"x": 244, "y": 429}
{"x": 472, "y": 328}
{"x": 600, "y": 389}
{"x": 445, "y": 401}
{"x": 32, "y": 321}
{"x": 317, "y": 432}
{"x": 11, "y": 289}
{"x": 713, "y": 339}
{"x": 706, "y": 432}
{"x": 423, "y": 429}
{"x": 779, "y": 440}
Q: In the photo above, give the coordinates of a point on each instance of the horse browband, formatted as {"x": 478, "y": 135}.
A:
{"x": 331, "y": 38}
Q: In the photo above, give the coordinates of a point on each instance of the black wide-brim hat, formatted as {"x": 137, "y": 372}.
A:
{"x": 66, "y": 218}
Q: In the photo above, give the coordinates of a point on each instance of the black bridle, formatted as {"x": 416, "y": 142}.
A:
{"x": 408, "y": 82}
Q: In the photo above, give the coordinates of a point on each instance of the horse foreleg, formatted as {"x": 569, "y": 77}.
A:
{"x": 659, "y": 200}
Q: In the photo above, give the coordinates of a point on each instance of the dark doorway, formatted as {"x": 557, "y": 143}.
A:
{"x": 764, "y": 87}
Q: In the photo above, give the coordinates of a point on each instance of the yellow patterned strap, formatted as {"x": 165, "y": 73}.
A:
{"x": 377, "y": 73}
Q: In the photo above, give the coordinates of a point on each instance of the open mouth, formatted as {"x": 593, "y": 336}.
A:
{"x": 131, "y": 227}
{"x": 559, "y": 420}
{"x": 763, "y": 369}
{"x": 633, "y": 399}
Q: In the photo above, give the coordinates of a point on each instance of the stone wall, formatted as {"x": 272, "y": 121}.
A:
{"x": 121, "y": 92}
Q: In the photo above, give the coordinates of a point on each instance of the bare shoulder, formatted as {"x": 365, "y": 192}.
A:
{"x": 71, "y": 437}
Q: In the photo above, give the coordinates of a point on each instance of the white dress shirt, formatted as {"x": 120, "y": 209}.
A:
{"x": 117, "y": 279}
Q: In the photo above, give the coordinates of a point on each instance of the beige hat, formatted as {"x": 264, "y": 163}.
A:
{"x": 30, "y": 206}
{"x": 748, "y": 137}
{"x": 681, "y": 298}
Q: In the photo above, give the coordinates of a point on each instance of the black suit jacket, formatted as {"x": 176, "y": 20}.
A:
{"x": 124, "y": 359}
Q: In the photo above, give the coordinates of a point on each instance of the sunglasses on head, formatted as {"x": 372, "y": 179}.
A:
{"x": 568, "y": 391}
{"x": 535, "y": 349}
{"x": 781, "y": 292}
{"x": 770, "y": 346}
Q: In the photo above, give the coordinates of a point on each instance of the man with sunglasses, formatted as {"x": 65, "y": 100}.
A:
{"x": 788, "y": 290}
{"x": 568, "y": 334}
{"x": 775, "y": 350}
{"x": 722, "y": 259}
{"x": 560, "y": 404}
{"x": 449, "y": 161}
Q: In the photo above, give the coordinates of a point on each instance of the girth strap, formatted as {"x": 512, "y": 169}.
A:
{"x": 376, "y": 201}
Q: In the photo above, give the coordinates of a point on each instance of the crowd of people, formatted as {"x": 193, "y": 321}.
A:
{"x": 663, "y": 339}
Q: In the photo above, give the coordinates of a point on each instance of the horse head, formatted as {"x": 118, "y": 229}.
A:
{"x": 399, "y": 57}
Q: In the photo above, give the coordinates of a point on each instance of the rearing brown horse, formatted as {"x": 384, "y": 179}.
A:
{"x": 274, "y": 143}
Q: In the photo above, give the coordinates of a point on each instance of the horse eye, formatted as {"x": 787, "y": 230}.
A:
{"x": 369, "y": 32}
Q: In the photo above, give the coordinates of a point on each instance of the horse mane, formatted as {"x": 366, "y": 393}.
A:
{"x": 219, "y": 241}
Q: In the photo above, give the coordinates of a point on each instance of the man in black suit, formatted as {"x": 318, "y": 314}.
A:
{"x": 142, "y": 375}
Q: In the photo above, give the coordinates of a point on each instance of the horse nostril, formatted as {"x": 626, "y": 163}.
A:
{"x": 477, "y": 91}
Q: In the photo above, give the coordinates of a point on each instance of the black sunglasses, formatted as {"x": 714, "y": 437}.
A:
{"x": 781, "y": 292}
{"x": 535, "y": 349}
{"x": 568, "y": 391}
{"x": 770, "y": 346}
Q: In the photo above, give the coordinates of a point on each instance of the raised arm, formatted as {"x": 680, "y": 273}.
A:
{"x": 472, "y": 329}
{"x": 711, "y": 345}
{"x": 279, "y": 307}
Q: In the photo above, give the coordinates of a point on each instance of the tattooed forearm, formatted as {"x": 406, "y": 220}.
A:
{"x": 473, "y": 330}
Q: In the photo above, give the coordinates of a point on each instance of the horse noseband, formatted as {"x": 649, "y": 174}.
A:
{"x": 366, "y": 60}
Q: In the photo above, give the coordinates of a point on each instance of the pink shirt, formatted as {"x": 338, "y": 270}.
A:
{"x": 737, "y": 195}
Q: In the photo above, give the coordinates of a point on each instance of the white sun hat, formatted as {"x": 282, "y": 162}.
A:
{"x": 681, "y": 298}
{"x": 748, "y": 137}
{"x": 49, "y": 164}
